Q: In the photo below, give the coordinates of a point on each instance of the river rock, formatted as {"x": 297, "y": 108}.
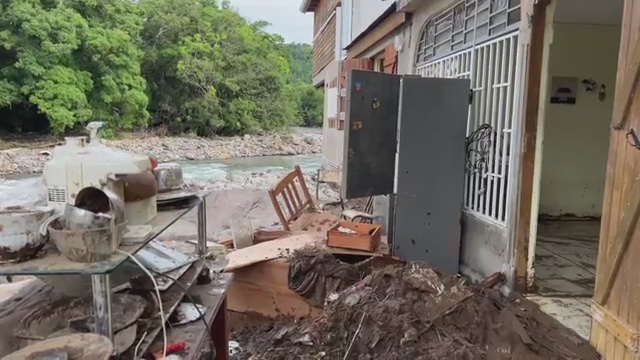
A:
{"x": 29, "y": 161}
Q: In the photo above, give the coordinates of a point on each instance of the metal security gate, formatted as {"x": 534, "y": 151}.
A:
{"x": 491, "y": 67}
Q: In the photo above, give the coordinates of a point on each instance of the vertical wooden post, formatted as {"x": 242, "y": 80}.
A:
{"x": 531, "y": 104}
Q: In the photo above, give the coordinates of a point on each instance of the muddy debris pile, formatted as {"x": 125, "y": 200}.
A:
{"x": 411, "y": 312}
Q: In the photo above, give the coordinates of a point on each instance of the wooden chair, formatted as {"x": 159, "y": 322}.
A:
{"x": 360, "y": 216}
{"x": 291, "y": 200}
{"x": 293, "y": 192}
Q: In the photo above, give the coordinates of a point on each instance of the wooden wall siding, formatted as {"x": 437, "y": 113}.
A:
{"x": 619, "y": 316}
{"x": 322, "y": 12}
{"x": 324, "y": 47}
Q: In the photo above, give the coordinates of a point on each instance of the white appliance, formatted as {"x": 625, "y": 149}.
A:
{"x": 78, "y": 164}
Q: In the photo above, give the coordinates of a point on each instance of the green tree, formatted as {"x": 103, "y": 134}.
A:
{"x": 301, "y": 59}
{"x": 310, "y": 105}
{"x": 73, "y": 61}
{"x": 309, "y": 100}
{"x": 211, "y": 71}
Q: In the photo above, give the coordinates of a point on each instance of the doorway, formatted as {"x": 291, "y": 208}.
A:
{"x": 577, "y": 92}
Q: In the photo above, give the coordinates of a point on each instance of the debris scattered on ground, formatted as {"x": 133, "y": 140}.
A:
{"x": 314, "y": 273}
{"x": 411, "y": 312}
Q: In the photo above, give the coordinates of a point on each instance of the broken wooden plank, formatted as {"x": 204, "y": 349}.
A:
{"x": 262, "y": 235}
{"x": 264, "y": 289}
{"x": 270, "y": 250}
{"x": 320, "y": 222}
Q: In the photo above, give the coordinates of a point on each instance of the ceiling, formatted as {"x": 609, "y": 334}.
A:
{"x": 601, "y": 12}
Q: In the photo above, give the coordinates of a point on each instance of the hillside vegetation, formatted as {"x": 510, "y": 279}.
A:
{"x": 194, "y": 66}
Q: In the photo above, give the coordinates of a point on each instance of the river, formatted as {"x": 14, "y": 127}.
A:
{"x": 25, "y": 189}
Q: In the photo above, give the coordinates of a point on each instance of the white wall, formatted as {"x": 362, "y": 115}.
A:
{"x": 576, "y": 137}
{"x": 365, "y": 12}
{"x": 332, "y": 139}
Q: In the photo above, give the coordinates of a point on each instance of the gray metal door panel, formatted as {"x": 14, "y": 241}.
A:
{"x": 371, "y": 125}
{"x": 431, "y": 165}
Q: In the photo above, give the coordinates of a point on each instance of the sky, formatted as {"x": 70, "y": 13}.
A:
{"x": 284, "y": 15}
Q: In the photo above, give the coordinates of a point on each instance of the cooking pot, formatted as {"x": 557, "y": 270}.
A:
{"x": 20, "y": 237}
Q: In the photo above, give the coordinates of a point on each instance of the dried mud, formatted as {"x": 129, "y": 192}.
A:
{"x": 411, "y": 312}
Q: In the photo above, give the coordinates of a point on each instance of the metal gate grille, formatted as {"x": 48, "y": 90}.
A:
{"x": 491, "y": 67}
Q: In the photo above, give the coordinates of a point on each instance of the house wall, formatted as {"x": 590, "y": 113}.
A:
{"x": 576, "y": 137}
{"x": 325, "y": 30}
{"x": 354, "y": 16}
{"x": 485, "y": 247}
{"x": 365, "y": 12}
{"x": 333, "y": 142}
{"x": 324, "y": 46}
{"x": 333, "y": 139}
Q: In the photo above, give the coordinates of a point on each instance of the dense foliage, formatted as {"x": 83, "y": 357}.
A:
{"x": 309, "y": 99}
{"x": 190, "y": 65}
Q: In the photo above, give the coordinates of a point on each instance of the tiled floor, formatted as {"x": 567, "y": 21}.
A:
{"x": 565, "y": 267}
{"x": 566, "y": 256}
{"x": 571, "y": 312}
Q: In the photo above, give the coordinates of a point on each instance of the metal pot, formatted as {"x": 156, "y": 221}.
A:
{"x": 20, "y": 238}
{"x": 138, "y": 187}
{"x": 86, "y": 246}
{"x": 103, "y": 201}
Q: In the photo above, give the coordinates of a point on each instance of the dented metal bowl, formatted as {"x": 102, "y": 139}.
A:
{"x": 86, "y": 246}
{"x": 20, "y": 237}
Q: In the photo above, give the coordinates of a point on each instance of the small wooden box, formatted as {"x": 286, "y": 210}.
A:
{"x": 365, "y": 237}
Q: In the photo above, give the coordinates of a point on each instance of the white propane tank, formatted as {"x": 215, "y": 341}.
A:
{"x": 76, "y": 165}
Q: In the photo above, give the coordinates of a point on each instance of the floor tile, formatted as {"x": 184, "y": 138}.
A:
{"x": 573, "y": 313}
{"x": 580, "y": 324}
{"x": 559, "y": 306}
{"x": 562, "y": 287}
{"x": 563, "y": 272}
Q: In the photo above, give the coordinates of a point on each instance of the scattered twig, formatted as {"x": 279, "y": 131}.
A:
{"x": 346, "y": 354}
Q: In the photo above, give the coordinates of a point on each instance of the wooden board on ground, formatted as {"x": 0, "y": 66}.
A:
{"x": 381, "y": 250}
{"x": 270, "y": 250}
{"x": 320, "y": 222}
{"x": 264, "y": 289}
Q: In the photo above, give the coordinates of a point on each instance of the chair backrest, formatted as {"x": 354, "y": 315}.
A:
{"x": 329, "y": 176}
{"x": 290, "y": 197}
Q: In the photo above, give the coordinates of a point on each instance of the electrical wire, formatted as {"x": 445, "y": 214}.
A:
{"x": 155, "y": 285}
{"x": 186, "y": 293}
{"x": 135, "y": 352}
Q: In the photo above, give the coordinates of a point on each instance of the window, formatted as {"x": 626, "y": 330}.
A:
{"x": 378, "y": 64}
{"x": 459, "y": 26}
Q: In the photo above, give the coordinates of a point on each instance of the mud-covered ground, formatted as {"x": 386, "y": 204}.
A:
{"x": 411, "y": 312}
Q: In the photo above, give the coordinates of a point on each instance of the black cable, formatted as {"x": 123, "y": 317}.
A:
{"x": 479, "y": 143}
{"x": 204, "y": 321}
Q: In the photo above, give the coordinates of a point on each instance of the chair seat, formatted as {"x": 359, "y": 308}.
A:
{"x": 354, "y": 215}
